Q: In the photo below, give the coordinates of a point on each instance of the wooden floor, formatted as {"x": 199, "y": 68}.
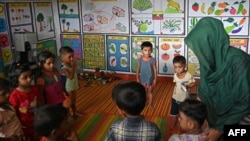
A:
{"x": 97, "y": 99}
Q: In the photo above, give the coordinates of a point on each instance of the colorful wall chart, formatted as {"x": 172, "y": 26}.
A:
{"x": 49, "y": 45}
{"x": 193, "y": 63}
{"x": 73, "y": 41}
{"x": 20, "y": 17}
{"x": 44, "y": 20}
{"x": 94, "y": 51}
{"x": 158, "y": 17}
{"x": 69, "y": 15}
{"x": 240, "y": 43}
{"x": 118, "y": 53}
{"x": 233, "y": 13}
{"x": 105, "y": 16}
{"x": 168, "y": 49}
{"x": 136, "y": 49}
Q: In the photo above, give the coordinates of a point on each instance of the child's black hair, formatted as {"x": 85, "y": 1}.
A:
{"x": 15, "y": 71}
{"x": 130, "y": 96}
{"x": 43, "y": 56}
{"x": 4, "y": 84}
{"x": 194, "y": 109}
{"x": 65, "y": 49}
{"x": 146, "y": 44}
{"x": 179, "y": 59}
{"x": 49, "y": 117}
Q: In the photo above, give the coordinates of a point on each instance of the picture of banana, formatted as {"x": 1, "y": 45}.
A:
{"x": 203, "y": 8}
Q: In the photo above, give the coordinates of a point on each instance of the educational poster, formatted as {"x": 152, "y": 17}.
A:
{"x": 233, "y": 13}
{"x": 44, "y": 20}
{"x": 168, "y": 49}
{"x": 94, "y": 51}
{"x": 105, "y": 16}
{"x": 69, "y": 15}
{"x": 151, "y": 17}
{"x": 118, "y": 53}
{"x": 239, "y": 43}
{"x": 136, "y": 49}
{"x": 193, "y": 63}
{"x": 73, "y": 41}
{"x": 49, "y": 45}
{"x": 20, "y": 17}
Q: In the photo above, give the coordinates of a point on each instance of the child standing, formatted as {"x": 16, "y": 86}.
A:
{"x": 146, "y": 71}
{"x": 130, "y": 98}
{"x": 184, "y": 80}
{"x": 10, "y": 125}
{"x": 51, "y": 123}
{"x": 192, "y": 114}
{"x": 25, "y": 98}
{"x": 49, "y": 80}
{"x": 69, "y": 76}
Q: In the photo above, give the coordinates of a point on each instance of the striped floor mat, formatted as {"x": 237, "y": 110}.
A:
{"x": 93, "y": 127}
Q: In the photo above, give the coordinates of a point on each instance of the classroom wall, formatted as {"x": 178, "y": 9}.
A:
{"x": 108, "y": 34}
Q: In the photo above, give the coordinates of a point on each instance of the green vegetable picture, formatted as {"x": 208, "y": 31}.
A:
{"x": 142, "y": 5}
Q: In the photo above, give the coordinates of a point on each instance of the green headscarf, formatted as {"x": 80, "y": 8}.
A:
{"x": 224, "y": 73}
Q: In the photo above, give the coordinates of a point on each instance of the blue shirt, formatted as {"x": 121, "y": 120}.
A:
{"x": 146, "y": 71}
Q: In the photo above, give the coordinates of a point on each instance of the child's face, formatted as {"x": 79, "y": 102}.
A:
{"x": 4, "y": 95}
{"x": 185, "y": 122}
{"x": 179, "y": 68}
{"x": 49, "y": 64}
{"x": 25, "y": 78}
{"x": 68, "y": 57}
{"x": 146, "y": 51}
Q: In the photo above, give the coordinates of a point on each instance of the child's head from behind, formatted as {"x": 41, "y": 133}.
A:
{"x": 20, "y": 75}
{"x": 46, "y": 60}
{"x": 146, "y": 49}
{"x": 50, "y": 121}
{"x": 4, "y": 91}
{"x": 67, "y": 54}
{"x": 192, "y": 114}
{"x": 130, "y": 97}
{"x": 179, "y": 63}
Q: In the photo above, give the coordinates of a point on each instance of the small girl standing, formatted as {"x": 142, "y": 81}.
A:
{"x": 25, "y": 98}
{"x": 49, "y": 80}
{"x": 10, "y": 125}
{"x": 146, "y": 70}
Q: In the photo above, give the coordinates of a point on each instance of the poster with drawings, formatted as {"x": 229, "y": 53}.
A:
{"x": 105, "y": 16}
{"x": 241, "y": 43}
{"x": 151, "y": 17}
{"x": 168, "y": 49}
{"x": 193, "y": 63}
{"x": 233, "y": 13}
{"x": 44, "y": 20}
{"x": 69, "y": 16}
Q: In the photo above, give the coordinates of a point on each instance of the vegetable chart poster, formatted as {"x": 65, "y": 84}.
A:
{"x": 73, "y": 41}
{"x": 168, "y": 49}
{"x": 136, "y": 49}
{"x": 150, "y": 17}
{"x": 105, "y": 16}
{"x": 233, "y": 13}
{"x": 118, "y": 53}
{"x": 94, "y": 51}
{"x": 44, "y": 20}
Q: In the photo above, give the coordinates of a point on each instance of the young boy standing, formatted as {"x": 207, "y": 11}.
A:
{"x": 130, "y": 98}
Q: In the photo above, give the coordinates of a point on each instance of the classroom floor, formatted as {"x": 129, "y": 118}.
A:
{"x": 99, "y": 111}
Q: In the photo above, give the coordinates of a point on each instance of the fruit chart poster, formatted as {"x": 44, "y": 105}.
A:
{"x": 152, "y": 17}
{"x": 20, "y": 17}
{"x": 105, "y": 16}
{"x": 118, "y": 53}
{"x": 233, "y": 13}
{"x": 73, "y": 41}
{"x": 168, "y": 49}
{"x": 94, "y": 51}
{"x": 44, "y": 20}
{"x": 136, "y": 49}
{"x": 69, "y": 16}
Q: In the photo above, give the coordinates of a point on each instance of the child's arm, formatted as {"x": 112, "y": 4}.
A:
{"x": 41, "y": 85}
{"x": 69, "y": 74}
{"x": 138, "y": 71}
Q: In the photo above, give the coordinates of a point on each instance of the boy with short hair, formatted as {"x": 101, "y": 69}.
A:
{"x": 130, "y": 98}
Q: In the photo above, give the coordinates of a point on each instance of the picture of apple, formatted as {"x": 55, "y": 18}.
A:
{"x": 165, "y": 56}
{"x": 232, "y": 11}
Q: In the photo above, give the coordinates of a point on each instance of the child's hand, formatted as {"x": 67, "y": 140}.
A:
{"x": 72, "y": 136}
{"x": 73, "y": 64}
{"x": 33, "y": 104}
